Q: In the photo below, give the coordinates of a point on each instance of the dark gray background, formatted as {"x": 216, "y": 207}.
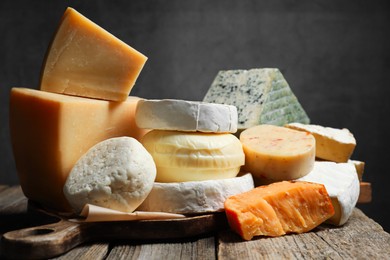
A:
{"x": 334, "y": 54}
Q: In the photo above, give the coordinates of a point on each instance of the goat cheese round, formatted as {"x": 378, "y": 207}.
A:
{"x": 182, "y": 115}
{"x": 277, "y": 153}
{"x": 117, "y": 173}
{"x": 195, "y": 196}
{"x": 194, "y": 156}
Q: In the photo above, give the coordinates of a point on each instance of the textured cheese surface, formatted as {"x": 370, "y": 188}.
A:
{"x": 342, "y": 184}
{"x": 195, "y": 196}
{"x": 85, "y": 60}
{"x": 277, "y": 153}
{"x": 182, "y": 115}
{"x": 117, "y": 173}
{"x": 262, "y": 96}
{"x": 50, "y": 132}
{"x": 332, "y": 144}
{"x": 193, "y": 156}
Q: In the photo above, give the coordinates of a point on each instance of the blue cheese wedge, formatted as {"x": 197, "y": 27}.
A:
{"x": 342, "y": 184}
{"x": 262, "y": 96}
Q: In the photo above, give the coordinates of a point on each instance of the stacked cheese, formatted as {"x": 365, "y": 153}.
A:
{"x": 197, "y": 157}
{"x": 51, "y": 131}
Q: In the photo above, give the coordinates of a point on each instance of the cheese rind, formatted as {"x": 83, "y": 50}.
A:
{"x": 342, "y": 184}
{"x": 194, "y": 156}
{"x": 262, "y": 96}
{"x": 276, "y": 153}
{"x": 86, "y": 60}
{"x": 182, "y": 115}
{"x": 117, "y": 173}
{"x": 50, "y": 132}
{"x": 332, "y": 144}
{"x": 195, "y": 196}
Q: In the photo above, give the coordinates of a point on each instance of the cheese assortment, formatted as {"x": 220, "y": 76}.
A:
{"x": 85, "y": 60}
{"x": 183, "y": 115}
{"x": 333, "y": 144}
{"x": 81, "y": 140}
{"x": 195, "y": 196}
{"x": 275, "y": 153}
{"x": 262, "y": 96}
{"x": 117, "y": 173}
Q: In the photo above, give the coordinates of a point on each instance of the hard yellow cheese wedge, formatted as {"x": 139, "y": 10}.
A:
{"x": 50, "y": 132}
{"x": 194, "y": 156}
{"x": 85, "y": 60}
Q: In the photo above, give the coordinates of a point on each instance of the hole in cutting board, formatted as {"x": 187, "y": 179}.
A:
{"x": 39, "y": 231}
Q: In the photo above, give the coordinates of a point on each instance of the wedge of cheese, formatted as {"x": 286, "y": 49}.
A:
{"x": 276, "y": 153}
{"x": 342, "y": 184}
{"x": 278, "y": 209}
{"x": 359, "y": 165}
{"x": 262, "y": 96}
{"x": 85, "y": 60}
{"x": 183, "y": 115}
{"x": 50, "y": 132}
{"x": 332, "y": 144}
{"x": 194, "y": 156}
{"x": 195, "y": 196}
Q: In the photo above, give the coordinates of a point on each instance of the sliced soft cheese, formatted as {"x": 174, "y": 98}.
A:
{"x": 332, "y": 144}
{"x": 262, "y": 96}
{"x": 86, "y": 60}
{"x": 193, "y": 156}
{"x": 342, "y": 184}
{"x": 182, "y": 115}
{"x": 195, "y": 196}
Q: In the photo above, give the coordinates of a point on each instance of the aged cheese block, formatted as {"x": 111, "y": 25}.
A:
{"x": 195, "y": 196}
{"x": 262, "y": 96}
{"x": 194, "y": 156}
{"x": 342, "y": 184}
{"x": 50, "y": 132}
{"x": 117, "y": 173}
{"x": 279, "y": 208}
{"x": 182, "y": 115}
{"x": 85, "y": 60}
{"x": 277, "y": 153}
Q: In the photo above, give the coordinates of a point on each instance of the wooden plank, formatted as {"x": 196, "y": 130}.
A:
{"x": 87, "y": 251}
{"x": 202, "y": 248}
{"x": 359, "y": 238}
{"x": 365, "y": 193}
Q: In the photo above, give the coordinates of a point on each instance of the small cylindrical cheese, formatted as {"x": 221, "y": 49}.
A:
{"x": 277, "y": 153}
{"x": 194, "y": 156}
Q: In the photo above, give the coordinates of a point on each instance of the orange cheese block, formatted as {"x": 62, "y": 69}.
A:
{"x": 86, "y": 60}
{"x": 278, "y": 209}
{"x": 277, "y": 153}
{"x": 50, "y": 132}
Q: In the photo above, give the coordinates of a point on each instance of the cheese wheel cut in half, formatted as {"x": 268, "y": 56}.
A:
{"x": 277, "y": 153}
{"x": 194, "y": 156}
{"x": 195, "y": 196}
{"x": 182, "y": 115}
{"x": 117, "y": 173}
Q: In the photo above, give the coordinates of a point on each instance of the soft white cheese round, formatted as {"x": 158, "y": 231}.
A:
{"x": 182, "y": 115}
{"x": 194, "y": 156}
{"x": 195, "y": 196}
{"x": 117, "y": 173}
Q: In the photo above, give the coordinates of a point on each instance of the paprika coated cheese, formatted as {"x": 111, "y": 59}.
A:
{"x": 50, "y": 132}
{"x": 276, "y": 153}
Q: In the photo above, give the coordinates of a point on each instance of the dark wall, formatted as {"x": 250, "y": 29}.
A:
{"x": 334, "y": 54}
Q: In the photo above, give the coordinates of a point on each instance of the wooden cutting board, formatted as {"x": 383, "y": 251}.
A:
{"x": 54, "y": 239}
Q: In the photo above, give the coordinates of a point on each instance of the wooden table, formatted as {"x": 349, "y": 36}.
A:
{"x": 359, "y": 238}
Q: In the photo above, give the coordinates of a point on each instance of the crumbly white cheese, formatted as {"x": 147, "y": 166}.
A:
{"x": 182, "y": 115}
{"x": 342, "y": 184}
{"x": 262, "y": 96}
{"x": 117, "y": 173}
{"x": 195, "y": 196}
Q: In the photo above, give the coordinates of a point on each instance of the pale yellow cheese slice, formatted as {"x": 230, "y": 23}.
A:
{"x": 193, "y": 156}
{"x": 86, "y": 60}
{"x": 50, "y": 132}
{"x": 277, "y": 153}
